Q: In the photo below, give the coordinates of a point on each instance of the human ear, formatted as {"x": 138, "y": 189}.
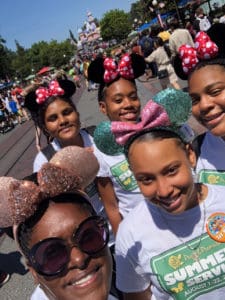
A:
{"x": 33, "y": 273}
{"x": 102, "y": 107}
{"x": 191, "y": 155}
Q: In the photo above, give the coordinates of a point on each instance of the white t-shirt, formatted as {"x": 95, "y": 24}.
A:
{"x": 211, "y": 162}
{"x": 151, "y": 247}
{"x": 125, "y": 186}
{"x": 91, "y": 190}
{"x": 39, "y": 294}
{"x": 222, "y": 19}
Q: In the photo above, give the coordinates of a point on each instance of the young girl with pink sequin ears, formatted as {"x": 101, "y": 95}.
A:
{"x": 167, "y": 247}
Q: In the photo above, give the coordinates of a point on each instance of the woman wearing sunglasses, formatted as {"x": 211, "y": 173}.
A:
{"x": 58, "y": 232}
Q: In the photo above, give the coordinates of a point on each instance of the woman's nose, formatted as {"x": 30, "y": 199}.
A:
{"x": 164, "y": 189}
{"x": 78, "y": 259}
{"x": 62, "y": 119}
{"x": 205, "y": 103}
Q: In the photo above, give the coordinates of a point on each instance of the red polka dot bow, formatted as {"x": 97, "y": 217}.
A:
{"x": 124, "y": 68}
{"x": 204, "y": 49}
{"x": 43, "y": 93}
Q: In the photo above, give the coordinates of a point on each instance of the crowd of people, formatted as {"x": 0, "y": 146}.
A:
{"x": 134, "y": 210}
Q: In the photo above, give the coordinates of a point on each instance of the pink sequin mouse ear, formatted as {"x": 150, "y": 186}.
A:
{"x": 18, "y": 200}
{"x": 71, "y": 169}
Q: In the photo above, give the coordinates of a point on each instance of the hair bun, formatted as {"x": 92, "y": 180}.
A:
{"x": 96, "y": 70}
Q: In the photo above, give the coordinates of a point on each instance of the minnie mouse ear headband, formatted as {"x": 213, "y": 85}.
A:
{"x": 189, "y": 57}
{"x": 69, "y": 171}
{"x": 106, "y": 70}
{"x": 37, "y": 96}
{"x": 169, "y": 110}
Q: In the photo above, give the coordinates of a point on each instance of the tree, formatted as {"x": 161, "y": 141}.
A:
{"x": 115, "y": 24}
{"x": 139, "y": 11}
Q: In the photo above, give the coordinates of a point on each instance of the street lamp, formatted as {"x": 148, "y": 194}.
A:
{"x": 160, "y": 6}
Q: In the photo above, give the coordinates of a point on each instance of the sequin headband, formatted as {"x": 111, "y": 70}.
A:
{"x": 124, "y": 68}
{"x": 43, "y": 93}
{"x": 204, "y": 49}
{"x": 69, "y": 171}
{"x": 168, "y": 110}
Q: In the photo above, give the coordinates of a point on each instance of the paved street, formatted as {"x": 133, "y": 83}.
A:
{"x": 20, "y": 143}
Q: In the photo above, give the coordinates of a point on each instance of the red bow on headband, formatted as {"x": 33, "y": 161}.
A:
{"x": 43, "y": 93}
{"x": 153, "y": 115}
{"x": 204, "y": 49}
{"x": 124, "y": 68}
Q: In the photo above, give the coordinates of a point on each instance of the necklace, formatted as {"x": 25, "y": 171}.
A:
{"x": 190, "y": 247}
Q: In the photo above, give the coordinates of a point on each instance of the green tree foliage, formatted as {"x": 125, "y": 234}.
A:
{"x": 139, "y": 11}
{"x": 24, "y": 62}
{"x": 115, "y": 24}
{"x": 5, "y": 59}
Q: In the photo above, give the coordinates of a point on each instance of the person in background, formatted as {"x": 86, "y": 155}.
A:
{"x": 179, "y": 36}
{"x": 201, "y": 22}
{"x": 57, "y": 230}
{"x": 222, "y": 18}
{"x": 162, "y": 59}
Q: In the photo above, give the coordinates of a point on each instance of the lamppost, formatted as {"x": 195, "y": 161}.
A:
{"x": 178, "y": 13}
{"x": 160, "y": 5}
{"x": 136, "y": 23}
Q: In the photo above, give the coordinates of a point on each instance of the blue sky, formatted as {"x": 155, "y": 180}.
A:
{"x": 31, "y": 21}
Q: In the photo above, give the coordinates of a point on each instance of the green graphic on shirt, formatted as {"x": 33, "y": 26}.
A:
{"x": 212, "y": 177}
{"x": 124, "y": 176}
{"x": 187, "y": 274}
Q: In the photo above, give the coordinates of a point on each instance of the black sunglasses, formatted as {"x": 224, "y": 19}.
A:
{"x": 51, "y": 256}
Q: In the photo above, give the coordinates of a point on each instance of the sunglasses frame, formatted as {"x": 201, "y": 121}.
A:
{"x": 100, "y": 222}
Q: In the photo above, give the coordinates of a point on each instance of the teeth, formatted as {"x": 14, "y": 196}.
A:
{"x": 83, "y": 280}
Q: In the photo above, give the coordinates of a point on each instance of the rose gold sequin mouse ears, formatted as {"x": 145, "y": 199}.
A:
{"x": 70, "y": 170}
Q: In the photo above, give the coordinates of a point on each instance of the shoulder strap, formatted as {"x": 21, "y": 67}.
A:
{"x": 197, "y": 143}
{"x": 48, "y": 151}
{"x": 90, "y": 129}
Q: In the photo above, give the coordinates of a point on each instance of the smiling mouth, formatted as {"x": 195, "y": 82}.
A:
{"x": 170, "y": 205}
{"x": 213, "y": 119}
{"x": 85, "y": 280}
{"x": 129, "y": 115}
{"x": 65, "y": 128}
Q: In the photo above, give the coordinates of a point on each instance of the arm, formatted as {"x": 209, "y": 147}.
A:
{"x": 145, "y": 295}
{"x": 110, "y": 202}
{"x": 150, "y": 58}
{"x": 172, "y": 47}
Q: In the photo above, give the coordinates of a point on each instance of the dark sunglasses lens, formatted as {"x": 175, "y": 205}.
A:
{"x": 51, "y": 257}
{"x": 92, "y": 236}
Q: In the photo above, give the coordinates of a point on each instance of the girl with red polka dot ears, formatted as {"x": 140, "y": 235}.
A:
{"x": 57, "y": 117}
{"x": 119, "y": 101}
{"x": 204, "y": 67}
